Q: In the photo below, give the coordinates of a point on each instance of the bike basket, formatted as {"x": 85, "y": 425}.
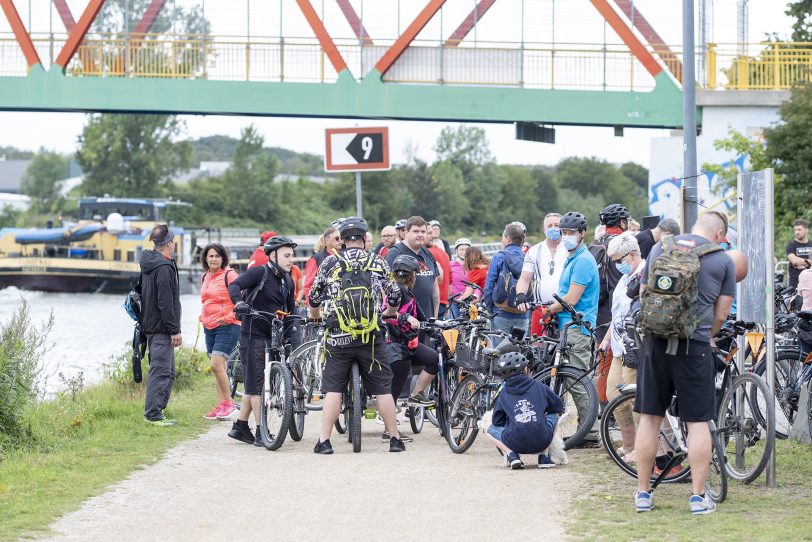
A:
{"x": 467, "y": 359}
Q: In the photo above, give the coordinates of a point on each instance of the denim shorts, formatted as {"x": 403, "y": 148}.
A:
{"x": 221, "y": 340}
{"x": 496, "y": 431}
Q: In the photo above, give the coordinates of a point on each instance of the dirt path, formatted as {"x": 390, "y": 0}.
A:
{"x": 205, "y": 488}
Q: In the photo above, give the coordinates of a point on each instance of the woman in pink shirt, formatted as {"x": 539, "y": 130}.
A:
{"x": 458, "y": 273}
{"x": 220, "y": 325}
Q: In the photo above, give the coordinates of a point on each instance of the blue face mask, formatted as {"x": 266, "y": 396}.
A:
{"x": 570, "y": 241}
{"x": 724, "y": 245}
{"x": 553, "y": 234}
{"x": 624, "y": 267}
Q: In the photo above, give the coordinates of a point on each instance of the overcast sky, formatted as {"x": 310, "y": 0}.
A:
{"x": 59, "y": 131}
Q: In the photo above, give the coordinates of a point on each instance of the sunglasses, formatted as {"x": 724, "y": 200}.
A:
{"x": 621, "y": 258}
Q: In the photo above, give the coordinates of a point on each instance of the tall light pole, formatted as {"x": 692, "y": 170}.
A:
{"x": 689, "y": 168}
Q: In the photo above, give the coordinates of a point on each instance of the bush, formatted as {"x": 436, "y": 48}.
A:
{"x": 187, "y": 364}
{"x": 22, "y": 347}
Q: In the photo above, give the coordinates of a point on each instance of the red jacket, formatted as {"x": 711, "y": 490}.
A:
{"x": 445, "y": 264}
{"x": 217, "y": 306}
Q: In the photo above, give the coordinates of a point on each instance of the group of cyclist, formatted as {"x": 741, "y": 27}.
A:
{"x": 413, "y": 277}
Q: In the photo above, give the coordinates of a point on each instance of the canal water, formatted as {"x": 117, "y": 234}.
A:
{"x": 88, "y": 330}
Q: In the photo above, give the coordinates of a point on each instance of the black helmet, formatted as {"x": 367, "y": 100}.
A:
{"x": 353, "y": 228}
{"x": 510, "y": 364}
{"x": 404, "y": 265}
{"x": 277, "y": 242}
{"x": 613, "y": 214}
{"x": 572, "y": 221}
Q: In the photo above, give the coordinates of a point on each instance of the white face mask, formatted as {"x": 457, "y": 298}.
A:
{"x": 570, "y": 241}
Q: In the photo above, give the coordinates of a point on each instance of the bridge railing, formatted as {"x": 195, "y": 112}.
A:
{"x": 758, "y": 66}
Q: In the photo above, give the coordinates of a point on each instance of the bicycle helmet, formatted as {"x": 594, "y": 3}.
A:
{"x": 404, "y": 265}
{"x": 613, "y": 214}
{"x": 435, "y": 223}
{"x": 510, "y": 364}
{"x": 337, "y": 222}
{"x": 462, "y": 241}
{"x": 275, "y": 243}
{"x": 400, "y": 224}
{"x": 572, "y": 221}
{"x": 353, "y": 228}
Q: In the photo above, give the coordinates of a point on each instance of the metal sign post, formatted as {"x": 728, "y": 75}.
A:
{"x": 769, "y": 304}
{"x": 358, "y": 210}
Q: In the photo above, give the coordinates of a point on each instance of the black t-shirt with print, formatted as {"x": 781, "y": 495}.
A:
{"x": 802, "y": 250}
{"x": 424, "y": 287}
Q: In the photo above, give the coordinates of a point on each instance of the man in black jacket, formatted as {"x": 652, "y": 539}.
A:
{"x": 160, "y": 298}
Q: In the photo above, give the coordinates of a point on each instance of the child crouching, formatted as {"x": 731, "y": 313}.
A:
{"x": 525, "y": 414}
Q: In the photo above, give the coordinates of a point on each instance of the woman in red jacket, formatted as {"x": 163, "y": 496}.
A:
{"x": 221, "y": 327}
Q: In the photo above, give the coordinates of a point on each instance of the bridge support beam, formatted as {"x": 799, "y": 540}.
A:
{"x": 78, "y": 33}
{"x": 20, "y": 33}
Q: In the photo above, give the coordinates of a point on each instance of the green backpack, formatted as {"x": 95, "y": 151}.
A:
{"x": 355, "y": 307}
{"x": 668, "y": 305}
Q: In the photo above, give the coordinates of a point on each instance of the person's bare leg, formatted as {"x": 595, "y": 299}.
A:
{"x": 247, "y": 407}
{"x": 645, "y": 449}
{"x": 386, "y": 408}
{"x": 329, "y": 414}
{"x": 699, "y": 454}
{"x": 423, "y": 382}
{"x": 254, "y": 402}
{"x": 218, "y": 368}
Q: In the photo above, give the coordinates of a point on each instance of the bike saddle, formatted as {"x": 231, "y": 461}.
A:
{"x": 805, "y": 315}
{"x": 491, "y": 352}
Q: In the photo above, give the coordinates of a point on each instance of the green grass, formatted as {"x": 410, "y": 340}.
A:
{"x": 605, "y": 511}
{"x": 83, "y": 442}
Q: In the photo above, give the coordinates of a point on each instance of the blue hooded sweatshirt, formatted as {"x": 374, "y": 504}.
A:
{"x": 522, "y": 408}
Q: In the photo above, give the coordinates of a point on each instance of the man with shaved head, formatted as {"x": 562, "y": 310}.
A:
{"x": 689, "y": 370}
{"x": 388, "y": 238}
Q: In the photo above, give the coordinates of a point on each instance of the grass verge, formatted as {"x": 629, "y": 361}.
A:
{"x": 88, "y": 440}
{"x": 605, "y": 511}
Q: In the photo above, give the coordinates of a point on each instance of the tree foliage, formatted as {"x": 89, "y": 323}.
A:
{"x": 41, "y": 180}
{"x": 131, "y": 155}
{"x": 738, "y": 144}
{"x": 801, "y": 11}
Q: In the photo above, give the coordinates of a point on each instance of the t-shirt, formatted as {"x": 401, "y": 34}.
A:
{"x": 546, "y": 268}
{"x": 429, "y": 271}
{"x": 458, "y": 275}
{"x": 445, "y": 264}
{"x": 802, "y": 250}
{"x": 717, "y": 277}
{"x": 645, "y": 239}
{"x": 581, "y": 269}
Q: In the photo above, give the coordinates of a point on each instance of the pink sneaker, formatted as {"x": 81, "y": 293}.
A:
{"x": 226, "y": 410}
{"x": 213, "y": 414}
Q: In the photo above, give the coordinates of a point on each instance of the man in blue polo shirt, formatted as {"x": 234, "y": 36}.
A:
{"x": 580, "y": 288}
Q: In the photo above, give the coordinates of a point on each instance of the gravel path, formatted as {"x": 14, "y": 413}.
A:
{"x": 204, "y": 489}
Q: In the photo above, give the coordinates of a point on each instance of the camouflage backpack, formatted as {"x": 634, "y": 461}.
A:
{"x": 668, "y": 305}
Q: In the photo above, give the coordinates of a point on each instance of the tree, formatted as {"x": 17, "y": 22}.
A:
{"x": 13, "y": 153}
{"x": 466, "y": 147}
{"x": 738, "y": 144}
{"x": 248, "y": 184}
{"x": 801, "y": 11}
{"x": 452, "y": 200}
{"x": 131, "y": 155}
{"x": 41, "y": 180}
{"x": 636, "y": 174}
{"x": 521, "y": 199}
{"x": 118, "y": 16}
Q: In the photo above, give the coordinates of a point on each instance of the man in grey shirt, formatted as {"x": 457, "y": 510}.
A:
{"x": 690, "y": 372}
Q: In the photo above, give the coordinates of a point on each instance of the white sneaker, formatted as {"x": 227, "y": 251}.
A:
{"x": 379, "y": 420}
{"x": 702, "y": 505}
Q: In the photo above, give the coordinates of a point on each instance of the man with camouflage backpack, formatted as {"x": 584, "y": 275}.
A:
{"x": 350, "y": 284}
{"x": 687, "y": 290}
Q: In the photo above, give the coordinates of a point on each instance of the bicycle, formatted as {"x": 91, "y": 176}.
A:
{"x": 234, "y": 372}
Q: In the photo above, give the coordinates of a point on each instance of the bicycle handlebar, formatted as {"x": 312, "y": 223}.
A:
{"x": 577, "y": 317}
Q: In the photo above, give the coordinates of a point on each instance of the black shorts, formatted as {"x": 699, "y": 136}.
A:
{"x": 375, "y": 372}
{"x": 252, "y": 358}
{"x": 690, "y": 374}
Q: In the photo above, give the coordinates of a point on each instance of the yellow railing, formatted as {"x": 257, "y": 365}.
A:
{"x": 758, "y": 66}
{"x": 563, "y": 66}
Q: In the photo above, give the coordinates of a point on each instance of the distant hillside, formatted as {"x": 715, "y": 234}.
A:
{"x": 13, "y": 153}
{"x": 221, "y": 148}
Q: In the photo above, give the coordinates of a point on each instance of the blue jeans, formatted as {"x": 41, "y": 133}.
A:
{"x": 503, "y": 323}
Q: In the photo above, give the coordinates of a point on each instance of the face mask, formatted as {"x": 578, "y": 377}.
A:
{"x": 570, "y": 241}
{"x": 624, "y": 267}
{"x": 553, "y": 234}
{"x": 724, "y": 245}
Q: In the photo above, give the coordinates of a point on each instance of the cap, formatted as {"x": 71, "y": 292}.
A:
{"x": 264, "y": 236}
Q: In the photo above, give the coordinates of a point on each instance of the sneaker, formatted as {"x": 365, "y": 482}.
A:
{"x": 405, "y": 438}
{"x": 702, "y": 505}
{"x": 419, "y": 400}
{"x": 514, "y": 461}
{"x": 588, "y": 444}
{"x": 163, "y": 422}
{"x": 227, "y": 410}
{"x": 241, "y": 432}
{"x": 323, "y": 448}
{"x": 214, "y": 413}
{"x": 545, "y": 462}
{"x": 396, "y": 445}
{"x": 675, "y": 470}
{"x": 380, "y": 421}
{"x": 258, "y": 439}
{"x": 644, "y": 501}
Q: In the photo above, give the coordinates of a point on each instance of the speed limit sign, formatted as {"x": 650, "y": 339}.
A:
{"x": 356, "y": 149}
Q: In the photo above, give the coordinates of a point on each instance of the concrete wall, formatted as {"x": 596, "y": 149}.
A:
{"x": 748, "y": 112}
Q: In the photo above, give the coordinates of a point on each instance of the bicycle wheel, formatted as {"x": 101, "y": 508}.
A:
{"x": 571, "y": 383}
{"x": 716, "y": 482}
{"x": 432, "y": 393}
{"x": 787, "y": 365}
{"x": 809, "y": 408}
{"x": 463, "y": 413}
{"x": 310, "y": 356}
{"x": 746, "y": 427}
{"x": 298, "y": 403}
{"x": 617, "y": 412}
{"x": 234, "y": 372}
{"x": 356, "y": 405}
{"x": 417, "y": 417}
{"x": 276, "y": 407}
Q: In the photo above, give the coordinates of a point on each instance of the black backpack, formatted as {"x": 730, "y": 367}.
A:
{"x": 598, "y": 249}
